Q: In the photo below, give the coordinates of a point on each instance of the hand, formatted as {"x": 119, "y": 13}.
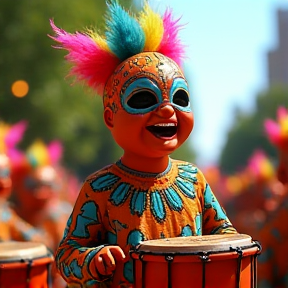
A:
{"x": 106, "y": 259}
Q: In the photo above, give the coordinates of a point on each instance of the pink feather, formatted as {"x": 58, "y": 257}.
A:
{"x": 55, "y": 151}
{"x": 282, "y": 113}
{"x": 272, "y": 130}
{"x": 171, "y": 45}
{"x": 89, "y": 62}
{"x": 15, "y": 134}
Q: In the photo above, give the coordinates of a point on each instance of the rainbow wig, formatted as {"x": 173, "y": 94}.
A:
{"x": 94, "y": 57}
{"x": 277, "y": 131}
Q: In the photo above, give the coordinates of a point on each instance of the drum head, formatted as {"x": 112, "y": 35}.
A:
{"x": 222, "y": 242}
{"x": 14, "y": 250}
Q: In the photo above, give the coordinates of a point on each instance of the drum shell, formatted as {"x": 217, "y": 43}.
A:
{"x": 210, "y": 269}
{"x": 26, "y": 272}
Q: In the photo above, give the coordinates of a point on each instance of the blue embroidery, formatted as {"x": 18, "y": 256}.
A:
{"x": 198, "y": 222}
{"x": 138, "y": 203}
{"x": 157, "y": 206}
{"x": 128, "y": 271}
{"x": 174, "y": 201}
{"x": 210, "y": 202}
{"x": 187, "y": 188}
{"x": 120, "y": 194}
{"x": 135, "y": 237}
{"x": 87, "y": 217}
{"x": 186, "y": 231}
{"x": 104, "y": 182}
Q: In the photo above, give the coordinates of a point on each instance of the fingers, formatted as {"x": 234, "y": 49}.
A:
{"x": 117, "y": 253}
{"x": 105, "y": 263}
{"x": 105, "y": 260}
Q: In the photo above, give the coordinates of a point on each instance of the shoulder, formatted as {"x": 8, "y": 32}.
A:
{"x": 100, "y": 172}
{"x": 191, "y": 170}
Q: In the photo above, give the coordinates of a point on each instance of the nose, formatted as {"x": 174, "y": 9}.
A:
{"x": 165, "y": 110}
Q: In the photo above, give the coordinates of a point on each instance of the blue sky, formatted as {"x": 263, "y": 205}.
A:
{"x": 228, "y": 41}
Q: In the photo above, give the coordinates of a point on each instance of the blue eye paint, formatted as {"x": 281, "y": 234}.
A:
{"x": 179, "y": 83}
{"x": 141, "y": 85}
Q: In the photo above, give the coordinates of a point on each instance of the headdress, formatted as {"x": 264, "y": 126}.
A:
{"x": 277, "y": 131}
{"x": 10, "y": 136}
{"x": 95, "y": 56}
{"x": 260, "y": 166}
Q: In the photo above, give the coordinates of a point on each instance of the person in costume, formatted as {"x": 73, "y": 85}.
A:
{"x": 258, "y": 183}
{"x": 145, "y": 194}
{"x": 37, "y": 186}
{"x": 12, "y": 226}
{"x": 272, "y": 264}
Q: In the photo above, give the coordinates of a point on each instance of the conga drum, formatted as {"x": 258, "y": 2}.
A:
{"x": 210, "y": 261}
{"x": 25, "y": 265}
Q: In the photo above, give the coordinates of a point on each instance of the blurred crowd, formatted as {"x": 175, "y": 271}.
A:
{"x": 36, "y": 191}
{"x": 256, "y": 201}
{"x": 37, "y": 194}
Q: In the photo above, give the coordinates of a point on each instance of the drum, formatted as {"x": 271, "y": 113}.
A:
{"x": 25, "y": 265}
{"x": 210, "y": 261}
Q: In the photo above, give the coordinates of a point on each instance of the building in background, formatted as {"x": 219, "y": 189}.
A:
{"x": 278, "y": 58}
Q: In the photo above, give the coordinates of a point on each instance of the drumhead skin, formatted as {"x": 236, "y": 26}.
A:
{"x": 195, "y": 244}
{"x": 14, "y": 250}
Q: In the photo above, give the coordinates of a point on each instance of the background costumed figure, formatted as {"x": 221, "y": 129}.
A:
{"x": 273, "y": 266}
{"x": 146, "y": 194}
{"x": 12, "y": 226}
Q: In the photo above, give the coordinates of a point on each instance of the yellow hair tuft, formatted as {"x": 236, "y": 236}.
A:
{"x": 152, "y": 25}
{"x": 99, "y": 40}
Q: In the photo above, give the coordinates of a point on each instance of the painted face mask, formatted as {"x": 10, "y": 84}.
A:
{"x": 144, "y": 81}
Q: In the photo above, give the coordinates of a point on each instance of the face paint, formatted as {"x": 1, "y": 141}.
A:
{"x": 143, "y": 82}
{"x": 149, "y": 98}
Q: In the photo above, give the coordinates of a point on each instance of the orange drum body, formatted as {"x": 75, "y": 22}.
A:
{"x": 25, "y": 265}
{"x": 212, "y": 261}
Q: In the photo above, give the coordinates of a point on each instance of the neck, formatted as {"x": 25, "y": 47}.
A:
{"x": 145, "y": 164}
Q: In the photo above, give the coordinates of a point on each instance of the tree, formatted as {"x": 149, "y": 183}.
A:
{"x": 248, "y": 134}
{"x": 53, "y": 109}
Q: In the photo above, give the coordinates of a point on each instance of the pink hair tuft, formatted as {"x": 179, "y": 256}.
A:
{"x": 90, "y": 63}
{"x": 171, "y": 45}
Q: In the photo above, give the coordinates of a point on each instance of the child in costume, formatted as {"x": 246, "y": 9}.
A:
{"x": 145, "y": 194}
{"x": 272, "y": 264}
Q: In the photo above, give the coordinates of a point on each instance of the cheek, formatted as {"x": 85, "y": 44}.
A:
{"x": 127, "y": 127}
{"x": 186, "y": 123}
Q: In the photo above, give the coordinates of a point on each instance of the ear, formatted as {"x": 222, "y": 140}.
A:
{"x": 108, "y": 117}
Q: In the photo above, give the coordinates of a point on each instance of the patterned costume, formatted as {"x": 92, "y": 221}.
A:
{"x": 146, "y": 194}
{"x": 120, "y": 206}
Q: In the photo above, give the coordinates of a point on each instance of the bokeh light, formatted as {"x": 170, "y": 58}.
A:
{"x": 20, "y": 88}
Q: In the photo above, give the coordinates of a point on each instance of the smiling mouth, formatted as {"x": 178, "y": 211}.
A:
{"x": 163, "y": 130}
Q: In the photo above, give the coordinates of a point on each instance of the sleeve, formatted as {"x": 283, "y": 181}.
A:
{"x": 83, "y": 237}
{"x": 215, "y": 220}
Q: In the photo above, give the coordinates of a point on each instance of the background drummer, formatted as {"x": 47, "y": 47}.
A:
{"x": 145, "y": 194}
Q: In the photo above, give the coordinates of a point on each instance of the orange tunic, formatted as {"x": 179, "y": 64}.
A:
{"x": 120, "y": 206}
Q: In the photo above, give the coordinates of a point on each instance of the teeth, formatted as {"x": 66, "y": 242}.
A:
{"x": 166, "y": 124}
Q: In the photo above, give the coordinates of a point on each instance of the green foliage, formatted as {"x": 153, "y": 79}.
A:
{"x": 248, "y": 133}
{"x": 53, "y": 108}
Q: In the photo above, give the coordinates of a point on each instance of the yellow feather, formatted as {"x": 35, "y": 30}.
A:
{"x": 39, "y": 152}
{"x": 4, "y": 128}
{"x": 99, "y": 40}
{"x": 153, "y": 28}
